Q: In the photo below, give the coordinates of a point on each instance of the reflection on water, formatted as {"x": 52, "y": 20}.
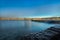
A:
{"x": 24, "y": 25}
{"x": 15, "y": 28}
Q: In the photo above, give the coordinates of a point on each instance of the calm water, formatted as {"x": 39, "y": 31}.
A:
{"x": 15, "y": 28}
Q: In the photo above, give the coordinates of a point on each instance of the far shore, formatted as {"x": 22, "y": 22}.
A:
{"x": 51, "y": 21}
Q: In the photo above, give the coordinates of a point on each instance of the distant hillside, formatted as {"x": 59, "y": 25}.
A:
{"x": 52, "y": 18}
{"x": 4, "y": 18}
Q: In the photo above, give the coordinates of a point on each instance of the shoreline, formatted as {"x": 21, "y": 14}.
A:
{"x": 51, "y": 21}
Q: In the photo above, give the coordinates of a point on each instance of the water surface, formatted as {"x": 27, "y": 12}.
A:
{"x": 13, "y": 29}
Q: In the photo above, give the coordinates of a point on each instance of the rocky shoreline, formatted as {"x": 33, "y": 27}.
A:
{"x": 52, "y": 33}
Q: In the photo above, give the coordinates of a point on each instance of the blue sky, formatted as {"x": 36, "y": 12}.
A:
{"x": 29, "y": 8}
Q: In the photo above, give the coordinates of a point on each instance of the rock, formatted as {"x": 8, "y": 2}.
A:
{"x": 49, "y": 34}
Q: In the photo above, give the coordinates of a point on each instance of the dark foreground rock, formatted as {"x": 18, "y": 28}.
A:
{"x": 52, "y": 33}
